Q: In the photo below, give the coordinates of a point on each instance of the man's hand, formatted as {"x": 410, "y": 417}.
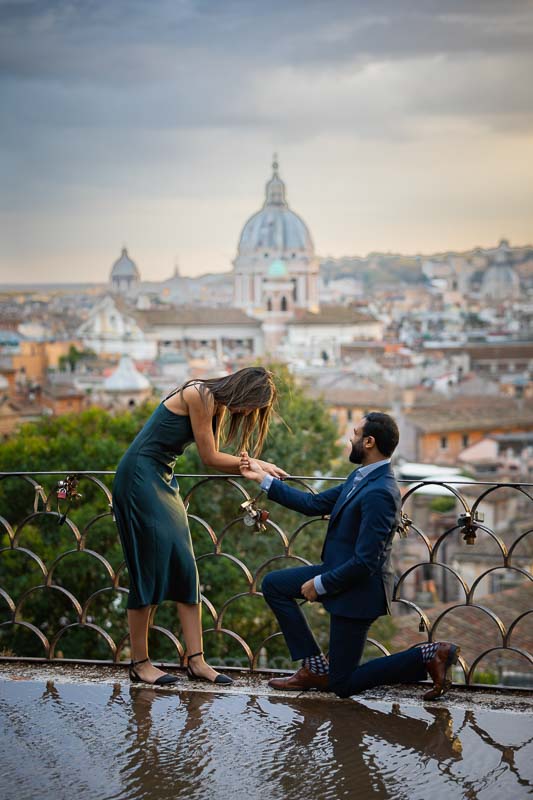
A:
{"x": 272, "y": 469}
{"x": 250, "y": 468}
{"x": 308, "y": 590}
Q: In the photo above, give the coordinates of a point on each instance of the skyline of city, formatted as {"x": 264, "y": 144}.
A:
{"x": 178, "y": 268}
{"x": 398, "y": 130}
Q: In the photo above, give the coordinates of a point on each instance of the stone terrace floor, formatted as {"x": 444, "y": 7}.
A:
{"x": 84, "y": 732}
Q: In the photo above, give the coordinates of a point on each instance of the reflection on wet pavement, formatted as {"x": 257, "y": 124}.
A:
{"x": 115, "y": 742}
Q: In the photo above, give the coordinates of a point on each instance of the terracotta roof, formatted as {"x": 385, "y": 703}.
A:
{"x": 364, "y": 346}
{"x": 332, "y": 315}
{"x": 61, "y": 391}
{"x": 481, "y": 350}
{"x": 472, "y": 629}
{"x": 196, "y": 316}
{"x": 8, "y": 407}
{"x": 359, "y": 398}
{"x": 468, "y": 412}
{"x": 20, "y": 408}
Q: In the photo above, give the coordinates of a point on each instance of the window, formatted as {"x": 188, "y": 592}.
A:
{"x": 269, "y": 305}
{"x": 443, "y": 442}
{"x": 349, "y": 414}
{"x": 283, "y": 303}
{"x": 465, "y": 440}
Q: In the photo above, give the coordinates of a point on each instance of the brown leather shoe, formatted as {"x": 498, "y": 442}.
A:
{"x": 439, "y": 669}
{"x": 301, "y": 681}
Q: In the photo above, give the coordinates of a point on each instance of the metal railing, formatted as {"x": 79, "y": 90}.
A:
{"x": 63, "y": 582}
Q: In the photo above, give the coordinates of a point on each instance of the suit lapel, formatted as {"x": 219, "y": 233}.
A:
{"x": 376, "y": 473}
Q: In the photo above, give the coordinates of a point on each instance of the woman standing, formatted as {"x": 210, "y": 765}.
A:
{"x": 150, "y": 515}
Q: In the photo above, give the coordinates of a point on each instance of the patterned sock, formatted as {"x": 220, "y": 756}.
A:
{"x": 428, "y": 651}
{"x": 317, "y": 664}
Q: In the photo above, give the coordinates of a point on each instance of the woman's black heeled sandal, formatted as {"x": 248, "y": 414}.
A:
{"x": 163, "y": 680}
{"x": 220, "y": 680}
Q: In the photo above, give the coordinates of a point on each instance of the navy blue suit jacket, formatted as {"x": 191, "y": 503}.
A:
{"x": 357, "y": 575}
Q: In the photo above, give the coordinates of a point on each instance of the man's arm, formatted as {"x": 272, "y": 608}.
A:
{"x": 378, "y": 518}
{"x": 306, "y": 503}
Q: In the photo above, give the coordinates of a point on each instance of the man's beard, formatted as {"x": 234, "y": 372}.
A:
{"x": 356, "y": 456}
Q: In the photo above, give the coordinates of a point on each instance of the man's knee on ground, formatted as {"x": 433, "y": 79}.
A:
{"x": 340, "y": 686}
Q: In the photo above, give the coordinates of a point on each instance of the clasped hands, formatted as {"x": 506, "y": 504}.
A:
{"x": 255, "y": 470}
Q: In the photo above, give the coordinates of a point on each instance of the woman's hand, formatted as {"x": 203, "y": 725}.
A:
{"x": 272, "y": 469}
{"x": 250, "y": 468}
{"x": 255, "y": 470}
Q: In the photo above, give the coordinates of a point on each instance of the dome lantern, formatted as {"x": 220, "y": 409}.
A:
{"x": 275, "y": 188}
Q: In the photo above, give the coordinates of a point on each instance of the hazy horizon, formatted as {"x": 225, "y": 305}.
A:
{"x": 400, "y": 127}
{"x": 105, "y": 280}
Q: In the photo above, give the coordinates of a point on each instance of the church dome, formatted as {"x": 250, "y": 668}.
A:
{"x": 124, "y": 267}
{"x": 500, "y": 282}
{"x": 126, "y": 378}
{"x": 275, "y": 227}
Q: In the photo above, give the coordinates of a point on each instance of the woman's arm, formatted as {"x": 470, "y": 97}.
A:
{"x": 304, "y": 502}
{"x": 201, "y": 415}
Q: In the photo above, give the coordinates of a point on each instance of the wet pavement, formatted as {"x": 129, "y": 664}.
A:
{"x": 85, "y": 733}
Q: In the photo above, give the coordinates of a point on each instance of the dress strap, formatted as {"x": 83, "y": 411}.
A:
{"x": 175, "y": 391}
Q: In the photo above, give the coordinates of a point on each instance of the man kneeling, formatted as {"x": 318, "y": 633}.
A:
{"x": 355, "y": 580}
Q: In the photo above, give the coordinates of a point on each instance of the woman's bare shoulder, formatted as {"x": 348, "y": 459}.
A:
{"x": 180, "y": 399}
{"x": 197, "y": 397}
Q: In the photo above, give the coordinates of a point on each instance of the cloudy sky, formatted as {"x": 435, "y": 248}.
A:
{"x": 400, "y": 126}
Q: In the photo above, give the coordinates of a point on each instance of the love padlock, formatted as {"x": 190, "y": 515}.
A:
{"x": 254, "y": 517}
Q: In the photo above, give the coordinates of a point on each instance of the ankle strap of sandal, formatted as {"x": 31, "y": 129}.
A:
{"x": 142, "y": 661}
{"x": 195, "y": 654}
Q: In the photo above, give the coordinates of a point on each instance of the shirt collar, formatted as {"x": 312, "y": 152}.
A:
{"x": 362, "y": 472}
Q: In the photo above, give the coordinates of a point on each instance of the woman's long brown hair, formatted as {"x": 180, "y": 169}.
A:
{"x": 251, "y": 387}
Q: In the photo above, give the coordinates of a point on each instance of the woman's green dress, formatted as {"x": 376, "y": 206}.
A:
{"x": 150, "y": 515}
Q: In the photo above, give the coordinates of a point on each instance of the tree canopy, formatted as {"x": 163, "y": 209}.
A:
{"x": 302, "y": 439}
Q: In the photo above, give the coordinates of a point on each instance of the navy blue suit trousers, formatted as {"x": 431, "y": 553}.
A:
{"x": 347, "y": 639}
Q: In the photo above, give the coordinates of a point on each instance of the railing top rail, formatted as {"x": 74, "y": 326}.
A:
{"x": 450, "y": 480}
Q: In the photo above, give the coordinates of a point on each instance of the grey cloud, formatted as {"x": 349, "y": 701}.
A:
{"x": 98, "y": 86}
{"x": 132, "y": 41}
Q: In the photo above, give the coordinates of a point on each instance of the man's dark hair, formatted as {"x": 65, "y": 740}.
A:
{"x": 384, "y": 430}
